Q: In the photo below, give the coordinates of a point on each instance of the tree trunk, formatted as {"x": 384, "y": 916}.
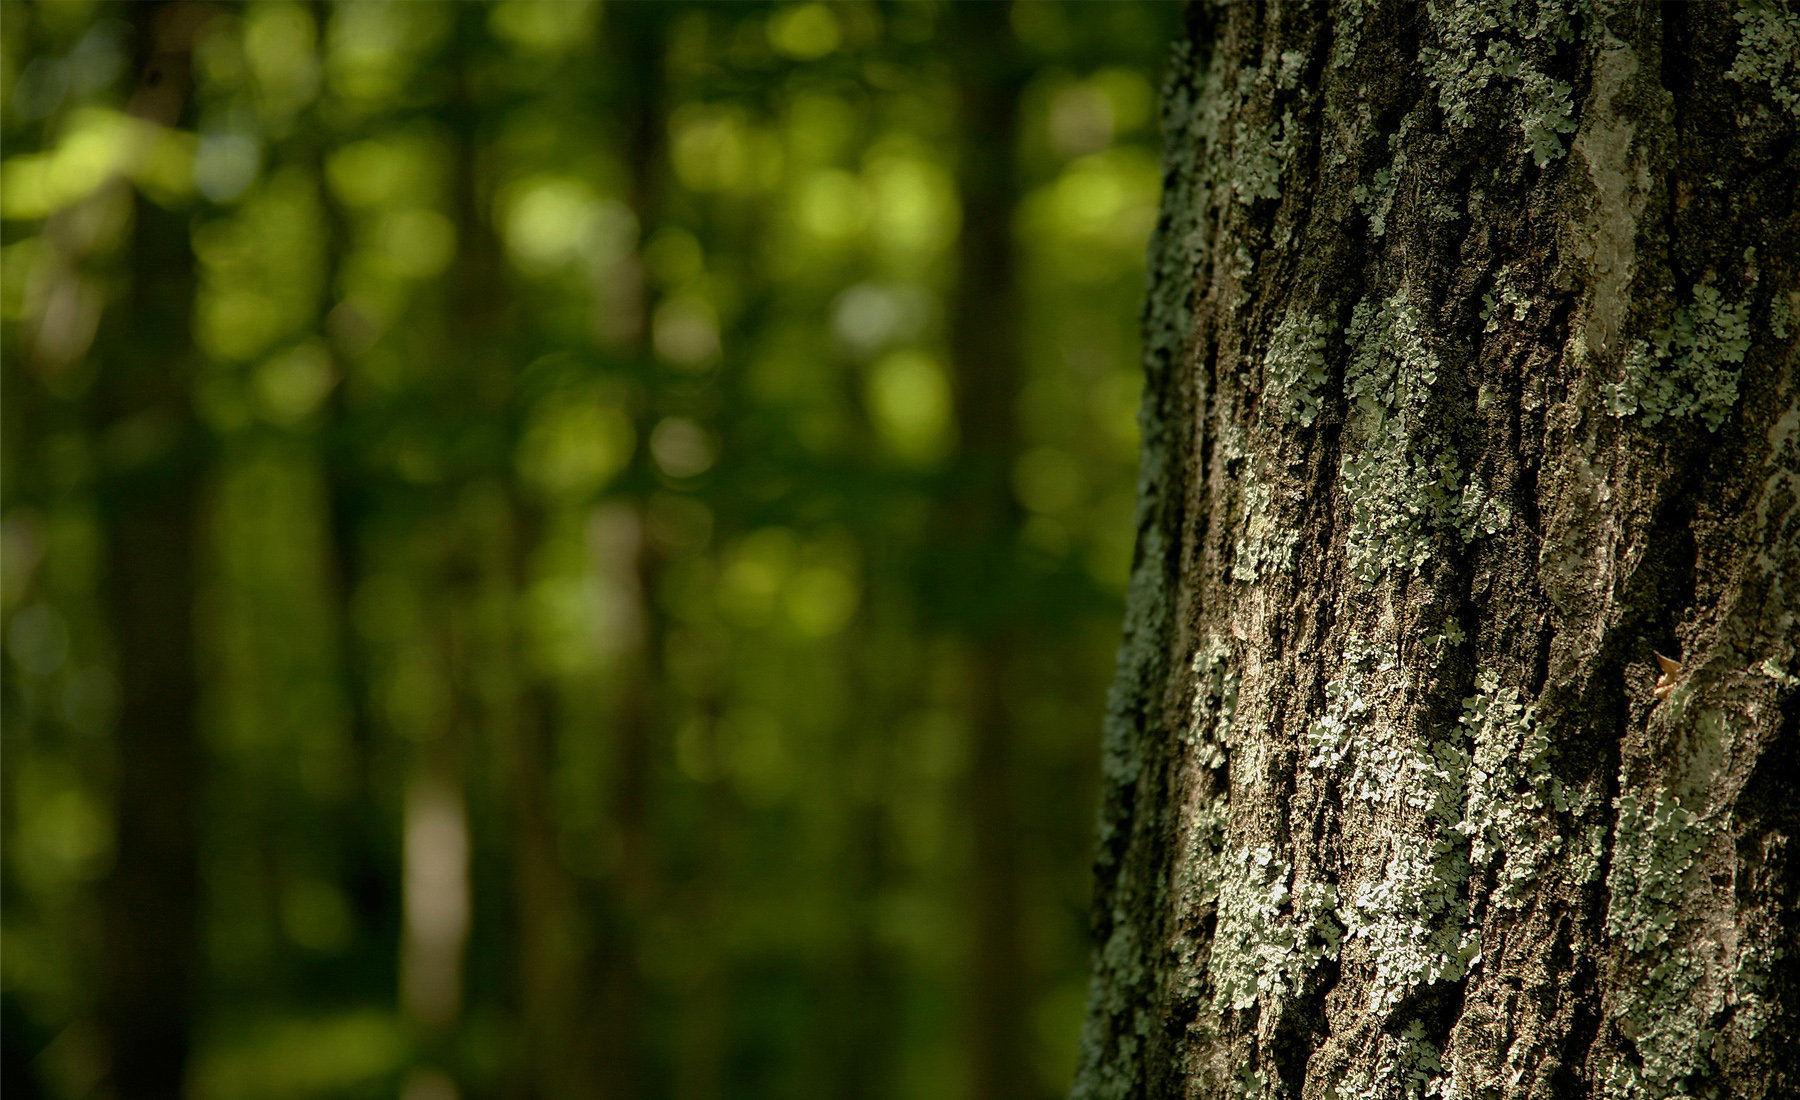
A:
{"x": 1452, "y": 745}
{"x": 633, "y": 41}
{"x": 150, "y": 500}
{"x": 978, "y": 531}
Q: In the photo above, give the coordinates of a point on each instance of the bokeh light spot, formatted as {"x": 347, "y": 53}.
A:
{"x": 805, "y": 32}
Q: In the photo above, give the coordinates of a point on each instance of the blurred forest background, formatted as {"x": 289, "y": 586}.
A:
{"x": 562, "y": 550}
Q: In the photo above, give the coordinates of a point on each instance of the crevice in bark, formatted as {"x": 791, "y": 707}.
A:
{"x": 1570, "y": 1078}
{"x": 1303, "y": 1029}
{"x": 1676, "y": 75}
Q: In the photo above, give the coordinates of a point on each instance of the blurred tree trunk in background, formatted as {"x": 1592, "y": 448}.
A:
{"x": 1471, "y": 391}
{"x": 153, "y": 465}
{"x": 979, "y": 521}
{"x": 454, "y": 543}
{"x": 351, "y": 500}
{"x": 551, "y": 936}
{"x": 634, "y": 44}
{"x": 866, "y": 980}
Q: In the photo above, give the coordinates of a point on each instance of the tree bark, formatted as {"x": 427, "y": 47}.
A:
{"x": 1453, "y": 738}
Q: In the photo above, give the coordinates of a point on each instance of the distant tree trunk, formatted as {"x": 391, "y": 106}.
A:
{"x": 549, "y": 944}
{"x": 150, "y": 505}
{"x": 454, "y": 560}
{"x": 350, "y": 502}
{"x": 1471, "y": 390}
{"x": 859, "y": 1030}
{"x": 635, "y": 45}
{"x": 979, "y": 528}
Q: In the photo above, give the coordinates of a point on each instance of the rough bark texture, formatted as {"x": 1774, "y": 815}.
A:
{"x": 1471, "y": 387}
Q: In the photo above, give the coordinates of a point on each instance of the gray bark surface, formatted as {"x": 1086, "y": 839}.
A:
{"x": 1471, "y": 388}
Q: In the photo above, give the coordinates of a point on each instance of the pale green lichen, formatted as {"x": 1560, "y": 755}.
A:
{"x": 1769, "y": 51}
{"x": 1399, "y": 499}
{"x": 1412, "y": 919}
{"x": 1449, "y": 636}
{"x": 1408, "y": 1066}
{"x": 1346, "y": 33}
{"x": 1510, "y": 789}
{"x": 1293, "y": 63}
{"x": 1264, "y": 542}
{"x": 1781, "y": 316}
{"x": 1206, "y": 839}
{"x": 1689, "y": 369}
{"x": 1199, "y": 870}
{"x": 1270, "y": 932}
{"x": 1758, "y": 952}
{"x": 1549, "y": 113}
{"x": 1394, "y": 497}
{"x": 1215, "y": 702}
{"x": 1377, "y": 196}
{"x": 1251, "y": 1083}
{"x": 1233, "y": 445}
{"x": 1478, "y": 512}
{"x": 1506, "y": 297}
{"x": 1198, "y": 878}
{"x": 1241, "y": 264}
{"x": 1773, "y": 670}
{"x": 1656, "y": 842}
{"x": 1294, "y": 369}
{"x": 1332, "y": 736}
{"x": 1584, "y": 863}
{"x": 1483, "y": 45}
{"x": 1259, "y": 154}
{"x": 1654, "y": 851}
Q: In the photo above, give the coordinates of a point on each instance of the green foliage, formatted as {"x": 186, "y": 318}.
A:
{"x": 579, "y": 413}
